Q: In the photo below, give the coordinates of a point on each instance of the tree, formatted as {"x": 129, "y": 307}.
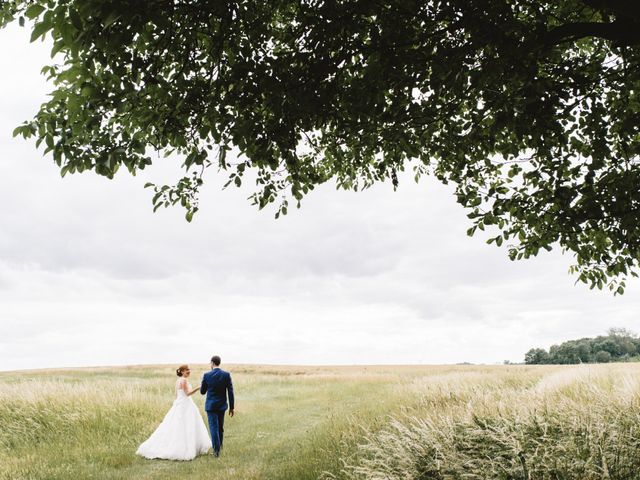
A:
{"x": 536, "y": 356}
{"x": 567, "y": 352}
{"x": 583, "y": 348}
{"x": 530, "y": 108}
{"x": 619, "y": 332}
{"x": 603, "y": 357}
{"x": 609, "y": 345}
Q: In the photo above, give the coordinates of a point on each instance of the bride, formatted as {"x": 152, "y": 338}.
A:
{"x": 182, "y": 434}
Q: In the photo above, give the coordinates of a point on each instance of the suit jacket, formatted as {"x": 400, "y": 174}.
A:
{"x": 217, "y": 384}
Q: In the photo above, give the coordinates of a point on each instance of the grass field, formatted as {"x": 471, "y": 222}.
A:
{"x": 397, "y": 422}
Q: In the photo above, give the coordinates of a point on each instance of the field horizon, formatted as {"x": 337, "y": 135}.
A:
{"x": 230, "y": 366}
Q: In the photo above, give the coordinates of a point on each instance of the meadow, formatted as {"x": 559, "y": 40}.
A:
{"x": 378, "y": 422}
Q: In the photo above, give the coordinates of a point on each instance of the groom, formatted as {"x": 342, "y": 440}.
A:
{"x": 217, "y": 384}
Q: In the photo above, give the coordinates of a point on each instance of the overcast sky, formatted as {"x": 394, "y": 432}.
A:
{"x": 90, "y": 276}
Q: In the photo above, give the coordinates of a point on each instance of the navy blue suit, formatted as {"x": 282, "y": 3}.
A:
{"x": 217, "y": 384}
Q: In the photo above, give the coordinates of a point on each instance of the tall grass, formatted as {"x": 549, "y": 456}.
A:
{"x": 348, "y": 423}
{"x": 576, "y": 423}
{"x": 290, "y": 422}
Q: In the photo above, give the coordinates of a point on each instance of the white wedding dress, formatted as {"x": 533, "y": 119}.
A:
{"x": 182, "y": 434}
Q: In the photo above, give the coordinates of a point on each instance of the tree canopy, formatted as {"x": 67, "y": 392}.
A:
{"x": 531, "y": 109}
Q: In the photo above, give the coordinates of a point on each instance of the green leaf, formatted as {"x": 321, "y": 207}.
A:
{"x": 76, "y": 21}
{"x": 111, "y": 19}
{"x": 33, "y": 11}
{"x": 88, "y": 91}
{"x": 39, "y": 30}
{"x": 67, "y": 31}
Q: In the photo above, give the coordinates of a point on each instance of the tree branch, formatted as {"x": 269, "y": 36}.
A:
{"x": 621, "y": 32}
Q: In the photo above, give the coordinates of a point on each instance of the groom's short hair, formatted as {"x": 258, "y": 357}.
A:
{"x": 215, "y": 360}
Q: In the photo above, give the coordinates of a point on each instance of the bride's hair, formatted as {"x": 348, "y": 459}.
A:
{"x": 181, "y": 369}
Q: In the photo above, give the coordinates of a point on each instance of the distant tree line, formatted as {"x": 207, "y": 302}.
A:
{"x": 619, "y": 345}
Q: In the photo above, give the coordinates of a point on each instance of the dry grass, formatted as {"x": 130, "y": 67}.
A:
{"x": 291, "y": 422}
{"x": 378, "y": 422}
{"x": 529, "y": 423}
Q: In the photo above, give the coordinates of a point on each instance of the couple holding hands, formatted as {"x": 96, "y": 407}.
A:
{"x": 182, "y": 434}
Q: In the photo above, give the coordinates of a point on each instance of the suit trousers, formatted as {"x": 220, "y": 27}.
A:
{"x": 216, "y": 427}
